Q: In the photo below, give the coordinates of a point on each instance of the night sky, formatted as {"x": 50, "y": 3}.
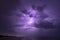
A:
{"x": 12, "y": 10}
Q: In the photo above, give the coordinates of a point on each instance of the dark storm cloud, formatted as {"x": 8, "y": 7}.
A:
{"x": 7, "y": 5}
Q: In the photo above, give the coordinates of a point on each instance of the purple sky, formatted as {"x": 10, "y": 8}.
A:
{"x": 12, "y": 19}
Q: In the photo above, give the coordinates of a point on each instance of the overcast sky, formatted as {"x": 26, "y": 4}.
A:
{"x": 52, "y": 9}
